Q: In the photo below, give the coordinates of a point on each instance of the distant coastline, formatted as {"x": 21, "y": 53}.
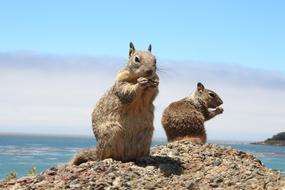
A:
{"x": 271, "y": 142}
{"x": 276, "y": 140}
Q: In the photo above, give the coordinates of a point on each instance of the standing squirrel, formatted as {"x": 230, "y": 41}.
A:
{"x": 184, "y": 119}
{"x": 122, "y": 120}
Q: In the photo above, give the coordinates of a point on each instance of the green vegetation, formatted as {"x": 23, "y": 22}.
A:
{"x": 278, "y": 137}
{"x": 33, "y": 171}
{"x": 12, "y": 175}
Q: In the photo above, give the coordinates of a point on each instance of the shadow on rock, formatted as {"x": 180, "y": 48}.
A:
{"x": 165, "y": 164}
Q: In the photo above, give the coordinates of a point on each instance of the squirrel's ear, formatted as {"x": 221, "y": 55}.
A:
{"x": 132, "y": 49}
{"x": 149, "y": 48}
{"x": 200, "y": 86}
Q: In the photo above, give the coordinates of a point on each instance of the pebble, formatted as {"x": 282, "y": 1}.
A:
{"x": 217, "y": 162}
{"x": 51, "y": 172}
{"x": 150, "y": 168}
{"x": 189, "y": 185}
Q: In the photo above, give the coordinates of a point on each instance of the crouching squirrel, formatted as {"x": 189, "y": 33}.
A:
{"x": 184, "y": 119}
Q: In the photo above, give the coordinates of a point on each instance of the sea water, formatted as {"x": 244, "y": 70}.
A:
{"x": 21, "y": 152}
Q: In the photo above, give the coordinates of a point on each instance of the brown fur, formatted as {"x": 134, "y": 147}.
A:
{"x": 84, "y": 156}
{"x": 122, "y": 120}
{"x": 184, "y": 119}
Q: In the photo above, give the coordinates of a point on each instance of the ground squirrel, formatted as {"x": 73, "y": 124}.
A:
{"x": 122, "y": 120}
{"x": 185, "y": 118}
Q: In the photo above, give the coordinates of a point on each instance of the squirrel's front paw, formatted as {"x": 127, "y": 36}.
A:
{"x": 142, "y": 81}
{"x": 219, "y": 110}
{"x": 154, "y": 82}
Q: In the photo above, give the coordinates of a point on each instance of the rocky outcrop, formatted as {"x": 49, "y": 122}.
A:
{"x": 177, "y": 165}
{"x": 270, "y": 142}
{"x": 276, "y": 140}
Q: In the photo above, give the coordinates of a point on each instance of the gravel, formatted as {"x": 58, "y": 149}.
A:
{"x": 177, "y": 165}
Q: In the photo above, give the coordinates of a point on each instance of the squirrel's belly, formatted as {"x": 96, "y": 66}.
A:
{"x": 129, "y": 130}
{"x": 137, "y": 135}
{"x": 138, "y": 127}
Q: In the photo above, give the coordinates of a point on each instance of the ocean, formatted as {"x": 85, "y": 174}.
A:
{"x": 21, "y": 152}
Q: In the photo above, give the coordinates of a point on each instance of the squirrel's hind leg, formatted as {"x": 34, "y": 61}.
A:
{"x": 110, "y": 142}
{"x": 84, "y": 156}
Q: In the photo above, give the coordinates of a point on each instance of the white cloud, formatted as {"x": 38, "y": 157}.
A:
{"x": 56, "y": 94}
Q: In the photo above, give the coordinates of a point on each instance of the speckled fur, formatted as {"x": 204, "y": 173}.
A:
{"x": 84, "y": 156}
{"x": 184, "y": 119}
{"x": 122, "y": 120}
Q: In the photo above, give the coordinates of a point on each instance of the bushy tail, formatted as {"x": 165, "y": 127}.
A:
{"x": 84, "y": 156}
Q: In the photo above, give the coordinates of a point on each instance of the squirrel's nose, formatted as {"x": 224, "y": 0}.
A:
{"x": 149, "y": 72}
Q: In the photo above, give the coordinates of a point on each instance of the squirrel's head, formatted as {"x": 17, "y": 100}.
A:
{"x": 141, "y": 63}
{"x": 208, "y": 97}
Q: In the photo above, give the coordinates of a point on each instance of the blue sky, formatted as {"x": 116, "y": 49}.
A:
{"x": 57, "y": 58}
{"x": 249, "y": 33}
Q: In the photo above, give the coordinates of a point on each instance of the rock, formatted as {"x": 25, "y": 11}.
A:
{"x": 177, "y": 165}
{"x": 150, "y": 168}
{"x": 169, "y": 169}
{"x": 189, "y": 184}
{"x": 117, "y": 182}
{"x": 40, "y": 178}
{"x": 12, "y": 182}
{"x": 51, "y": 172}
{"x": 217, "y": 162}
{"x": 234, "y": 166}
{"x": 149, "y": 186}
{"x": 24, "y": 179}
{"x": 74, "y": 186}
{"x": 213, "y": 184}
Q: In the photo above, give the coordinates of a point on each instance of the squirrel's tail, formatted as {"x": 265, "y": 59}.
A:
{"x": 84, "y": 156}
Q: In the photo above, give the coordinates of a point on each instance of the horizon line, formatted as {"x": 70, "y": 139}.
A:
{"x": 210, "y": 141}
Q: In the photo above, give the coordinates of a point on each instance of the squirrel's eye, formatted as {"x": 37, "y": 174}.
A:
{"x": 212, "y": 95}
{"x": 137, "y": 59}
